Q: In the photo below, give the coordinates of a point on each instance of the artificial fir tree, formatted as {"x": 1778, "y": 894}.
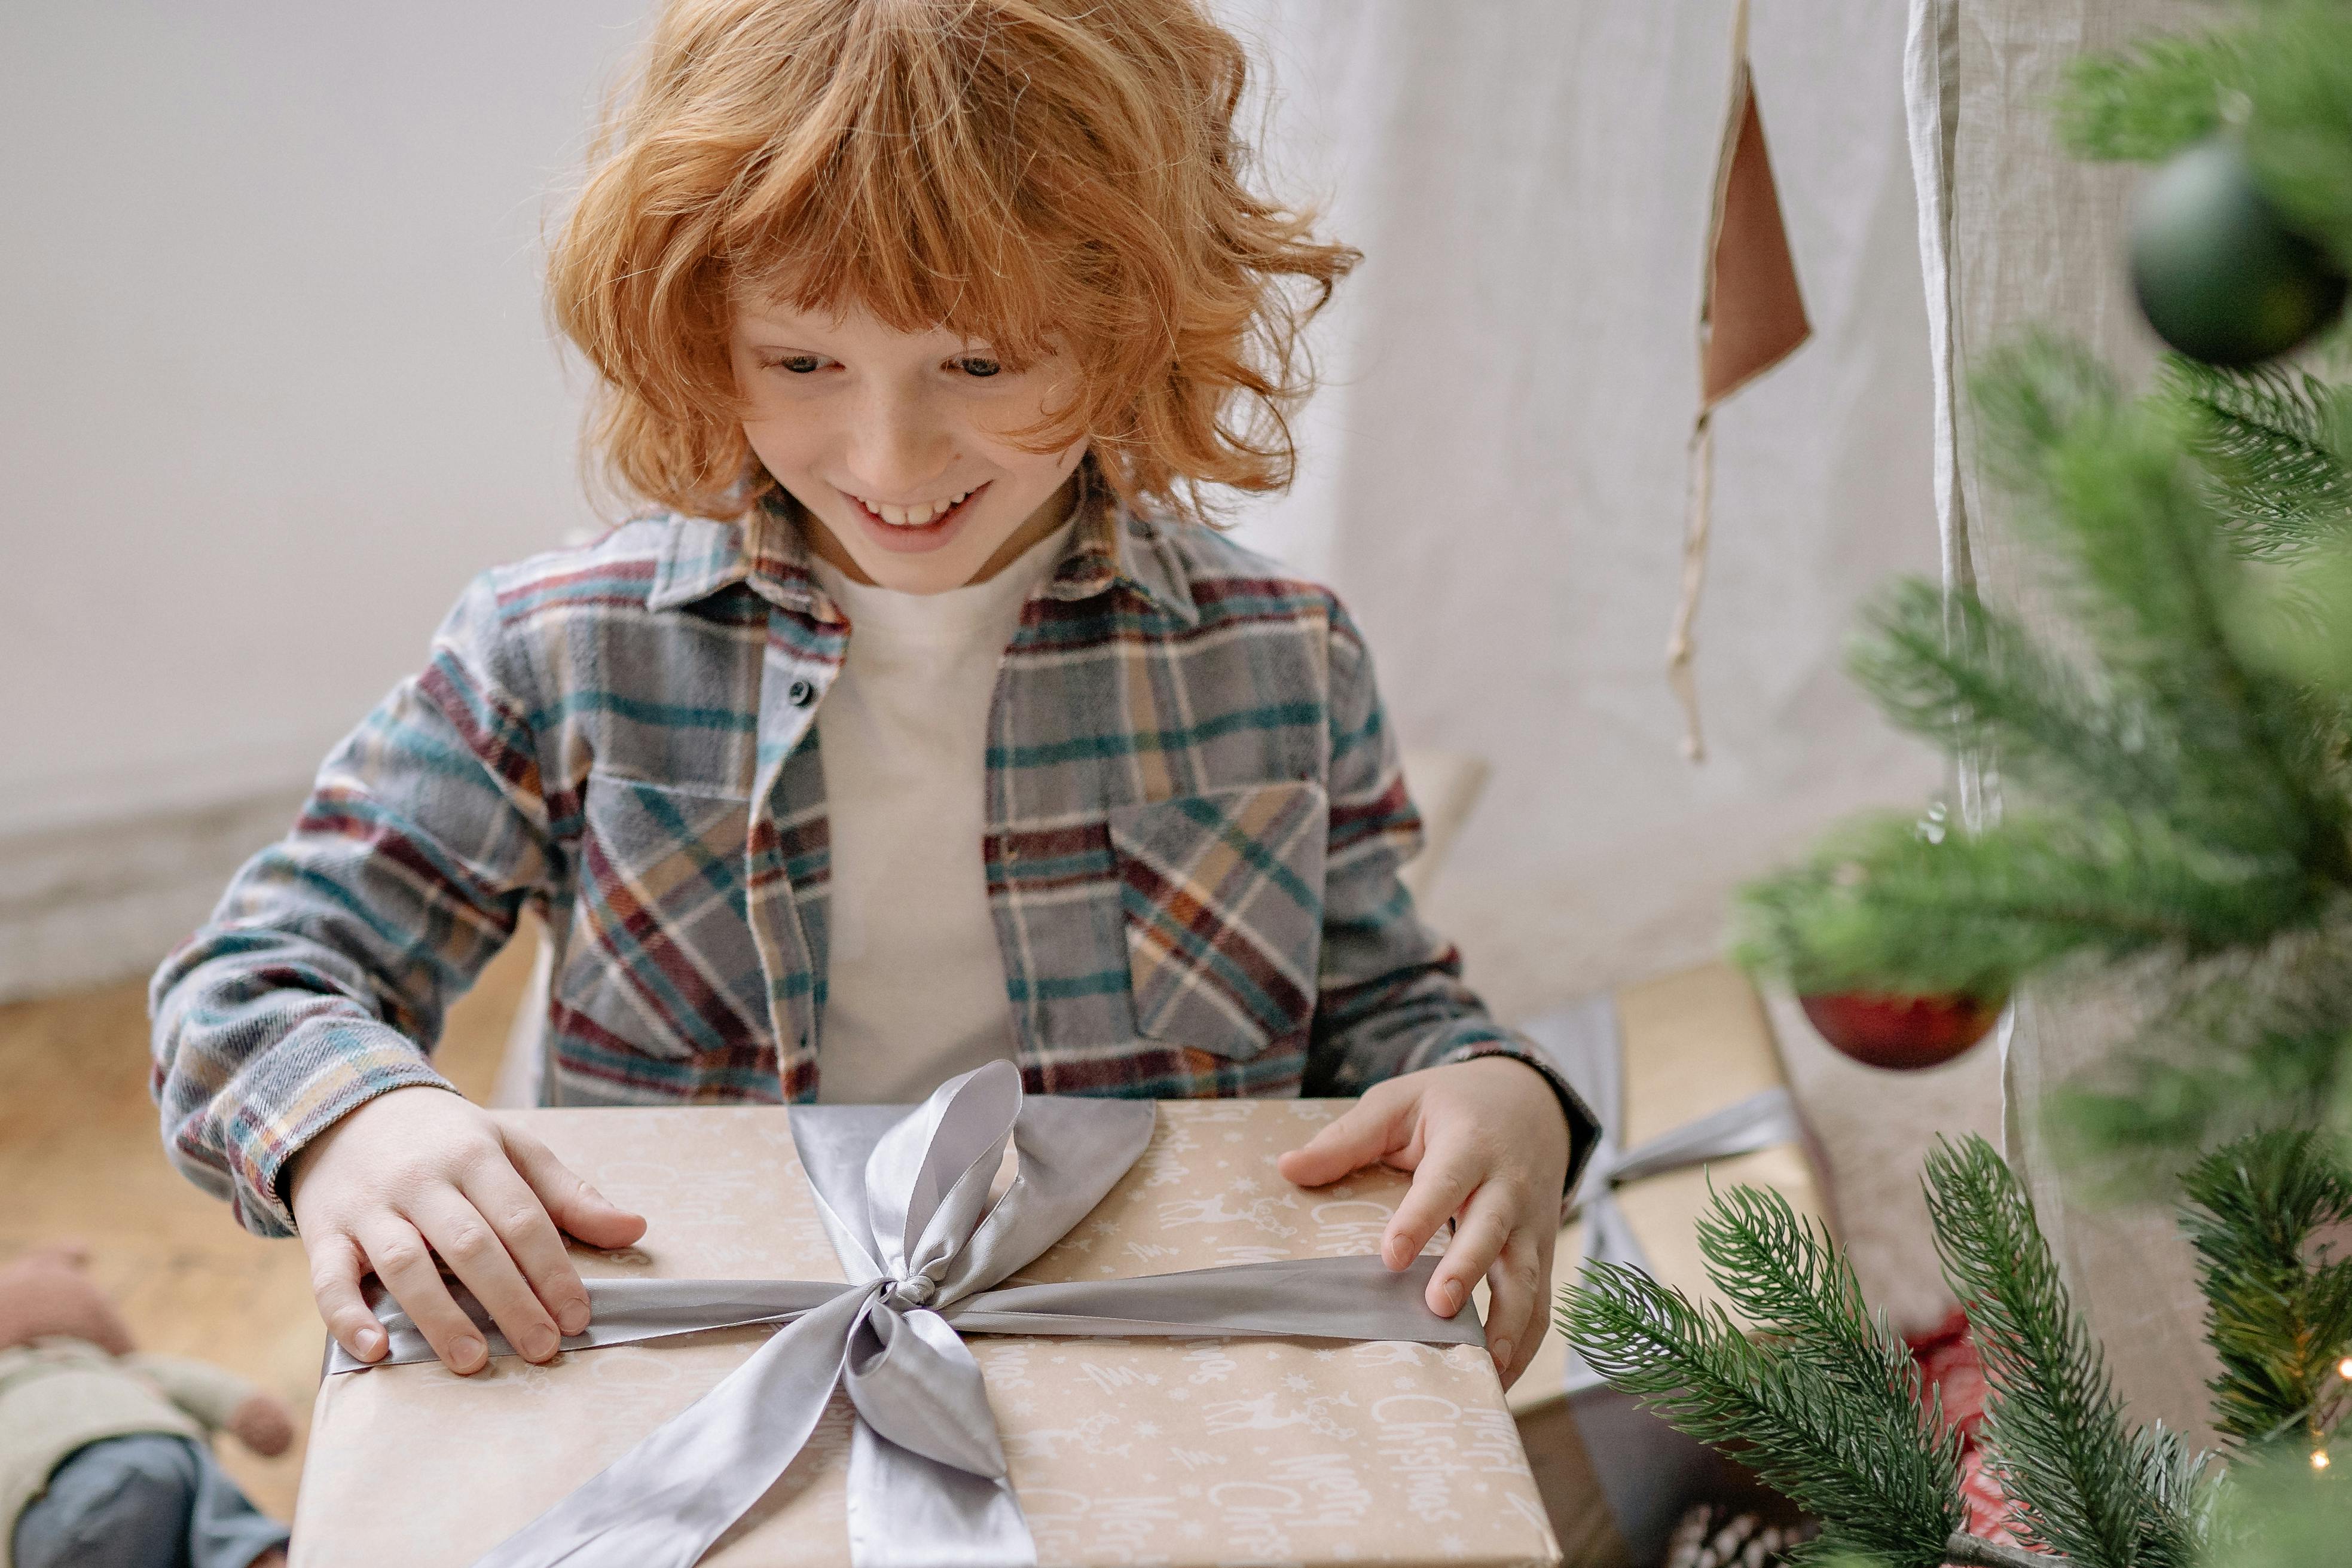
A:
{"x": 2176, "y": 785}
{"x": 1822, "y": 1398}
{"x": 2175, "y": 813}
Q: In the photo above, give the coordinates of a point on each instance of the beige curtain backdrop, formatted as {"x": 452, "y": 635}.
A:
{"x": 2012, "y": 233}
{"x": 1494, "y": 475}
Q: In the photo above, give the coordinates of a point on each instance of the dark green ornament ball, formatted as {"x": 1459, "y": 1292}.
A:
{"x": 2220, "y": 275}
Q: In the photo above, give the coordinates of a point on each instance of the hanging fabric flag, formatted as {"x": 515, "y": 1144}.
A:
{"x": 1750, "y": 318}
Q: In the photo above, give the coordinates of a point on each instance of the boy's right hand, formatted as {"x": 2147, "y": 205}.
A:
{"x": 421, "y": 1171}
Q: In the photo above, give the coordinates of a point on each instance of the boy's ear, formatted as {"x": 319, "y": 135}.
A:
{"x": 47, "y": 1292}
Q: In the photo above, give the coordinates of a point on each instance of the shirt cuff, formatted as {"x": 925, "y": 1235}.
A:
{"x": 302, "y": 1086}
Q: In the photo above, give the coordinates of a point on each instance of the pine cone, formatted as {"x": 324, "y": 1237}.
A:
{"x": 1712, "y": 1536}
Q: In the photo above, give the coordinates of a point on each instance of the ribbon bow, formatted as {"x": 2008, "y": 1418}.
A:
{"x": 1586, "y": 1043}
{"x": 929, "y": 1217}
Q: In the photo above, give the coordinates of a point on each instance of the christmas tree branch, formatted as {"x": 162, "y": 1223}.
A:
{"x": 2085, "y": 1485}
{"x": 2152, "y": 584}
{"x": 1956, "y": 671}
{"x": 2274, "y": 443}
{"x": 1975, "y": 1552}
{"x": 2150, "y": 102}
{"x": 1832, "y": 1417}
{"x": 1888, "y": 907}
{"x": 2278, "y": 1321}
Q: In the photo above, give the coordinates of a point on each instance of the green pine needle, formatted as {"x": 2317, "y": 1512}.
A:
{"x": 2176, "y": 782}
{"x": 1886, "y": 905}
{"x": 2298, "y": 117}
{"x": 2278, "y": 1317}
{"x": 1825, "y": 1404}
{"x": 2086, "y": 1484}
{"x": 2246, "y": 1039}
{"x": 1964, "y": 675}
{"x": 2149, "y": 103}
{"x": 2278, "y": 444}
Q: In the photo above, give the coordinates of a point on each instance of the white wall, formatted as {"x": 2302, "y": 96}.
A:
{"x": 274, "y": 380}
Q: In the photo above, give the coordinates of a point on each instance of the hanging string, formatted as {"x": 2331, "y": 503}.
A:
{"x": 1682, "y": 647}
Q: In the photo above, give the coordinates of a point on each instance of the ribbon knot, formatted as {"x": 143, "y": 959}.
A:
{"x": 915, "y": 1290}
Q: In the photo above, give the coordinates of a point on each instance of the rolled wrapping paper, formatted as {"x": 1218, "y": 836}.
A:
{"x": 911, "y": 1202}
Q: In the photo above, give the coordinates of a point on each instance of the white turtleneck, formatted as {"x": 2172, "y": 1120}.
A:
{"x": 915, "y": 981}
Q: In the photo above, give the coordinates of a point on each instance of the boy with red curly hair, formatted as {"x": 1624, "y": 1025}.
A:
{"x": 923, "y": 722}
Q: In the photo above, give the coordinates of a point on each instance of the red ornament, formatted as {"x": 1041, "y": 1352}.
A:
{"x": 1900, "y": 1033}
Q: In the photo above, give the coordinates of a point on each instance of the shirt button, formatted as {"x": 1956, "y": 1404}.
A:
{"x": 800, "y": 693}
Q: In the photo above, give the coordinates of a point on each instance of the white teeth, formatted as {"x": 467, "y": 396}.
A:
{"x": 915, "y": 517}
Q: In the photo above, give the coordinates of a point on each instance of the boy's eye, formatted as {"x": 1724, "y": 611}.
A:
{"x": 798, "y": 364}
{"x": 979, "y": 365}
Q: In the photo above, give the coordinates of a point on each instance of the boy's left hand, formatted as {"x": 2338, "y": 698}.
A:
{"x": 1487, "y": 1147}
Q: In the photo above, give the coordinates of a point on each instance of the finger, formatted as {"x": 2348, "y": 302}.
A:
{"x": 468, "y": 1243}
{"x": 398, "y": 1254}
{"x": 1436, "y": 1195}
{"x": 572, "y": 1203}
{"x": 1514, "y": 1297}
{"x": 501, "y": 1197}
{"x": 1540, "y": 1322}
{"x": 336, "y": 1267}
{"x": 1368, "y": 1132}
{"x": 1477, "y": 1242}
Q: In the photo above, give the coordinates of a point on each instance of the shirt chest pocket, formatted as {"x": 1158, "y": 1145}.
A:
{"x": 660, "y": 955}
{"x": 1220, "y": 897}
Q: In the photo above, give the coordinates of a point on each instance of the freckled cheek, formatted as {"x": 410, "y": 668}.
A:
{"x": 785, "y": 443}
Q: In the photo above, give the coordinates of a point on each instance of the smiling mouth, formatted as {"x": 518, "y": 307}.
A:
{"x": 930, "y": 514}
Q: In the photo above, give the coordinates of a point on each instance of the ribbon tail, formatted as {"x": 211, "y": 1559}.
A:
{"x": 661, "y": 1504}
{"x": 1765, "y": 1118}
{"x": 909, "y": 1512}
{"x": 626, "y": 1311}
{"x": 1356, "y": 1297}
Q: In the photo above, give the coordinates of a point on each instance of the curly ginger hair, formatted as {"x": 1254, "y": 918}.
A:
{"x": 1042, "y": 175}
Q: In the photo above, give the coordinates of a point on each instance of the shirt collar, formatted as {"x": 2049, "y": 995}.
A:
{"x": 1110, "y": 544}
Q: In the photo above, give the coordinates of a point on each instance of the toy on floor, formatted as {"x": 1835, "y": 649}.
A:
{"x": 103, "y": 1456}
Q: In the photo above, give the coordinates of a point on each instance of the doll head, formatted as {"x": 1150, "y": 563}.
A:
{"x": 48, "y": 1292}
{"x": 1047, "y": 189}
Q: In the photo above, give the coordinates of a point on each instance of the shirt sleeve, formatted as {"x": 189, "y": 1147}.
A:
{"x": 209, "y": 1394}
{"x": 1391, "y": 998}
{"x": 321, "y": 979}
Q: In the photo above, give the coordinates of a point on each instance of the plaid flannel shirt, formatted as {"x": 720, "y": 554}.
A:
{"x": 1195, "y": 822}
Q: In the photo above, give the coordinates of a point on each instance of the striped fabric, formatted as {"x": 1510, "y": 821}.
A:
{"x": 1195, "y": 823}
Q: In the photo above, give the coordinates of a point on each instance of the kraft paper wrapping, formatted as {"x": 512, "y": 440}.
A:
{"x": 1171, "y": 1451}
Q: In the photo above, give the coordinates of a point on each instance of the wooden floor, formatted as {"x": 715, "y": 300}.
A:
{"x": 80, "y": 1157}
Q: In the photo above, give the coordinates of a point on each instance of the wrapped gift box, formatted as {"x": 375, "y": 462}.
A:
{"x": 1690, "y": 1046}
{"x": 1171, "y": 1451}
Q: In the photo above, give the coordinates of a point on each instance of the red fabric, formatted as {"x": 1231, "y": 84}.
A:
{"x": 1949, "y": 1363}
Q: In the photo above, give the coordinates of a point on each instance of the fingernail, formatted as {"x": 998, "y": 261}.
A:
{"x": 1393, "y": 1252}
{"x": 537, "y": 1344}
{"x": 467, "y": 1353}
{"x": 573, "y": 1318}
{"x": 371, "y": 1342}
{"x": 1502, "y": 1354}
{"x": 1454, "y": 1292}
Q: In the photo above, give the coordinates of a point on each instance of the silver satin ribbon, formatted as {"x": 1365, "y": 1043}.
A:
{"x": 1585, "y": 1043}
{"x": 913, "y": 1206}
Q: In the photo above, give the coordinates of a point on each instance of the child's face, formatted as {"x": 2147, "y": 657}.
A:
{"x": 878, "y": 432}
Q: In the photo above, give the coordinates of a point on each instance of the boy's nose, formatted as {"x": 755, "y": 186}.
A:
{"x": 895, "y": 452}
